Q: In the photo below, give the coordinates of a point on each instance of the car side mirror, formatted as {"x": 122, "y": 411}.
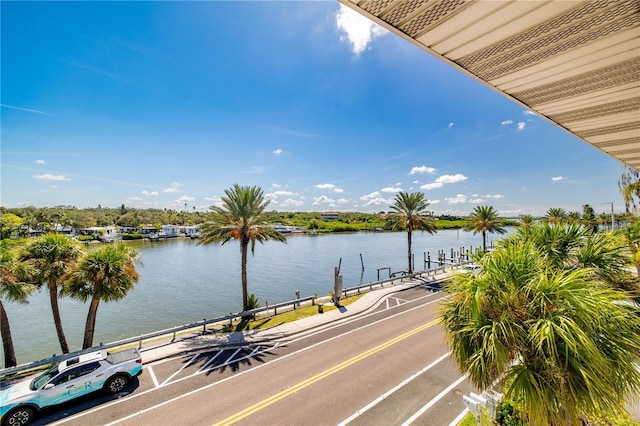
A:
{"x": 48, "y": 386}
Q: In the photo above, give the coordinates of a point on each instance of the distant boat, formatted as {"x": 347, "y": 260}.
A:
{"x": 155, "y": 236}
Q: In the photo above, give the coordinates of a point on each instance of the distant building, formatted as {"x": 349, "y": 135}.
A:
{"x": 192, "y": 231}
{"x": 171, "y": 230}
{"x": 330, "y": 215}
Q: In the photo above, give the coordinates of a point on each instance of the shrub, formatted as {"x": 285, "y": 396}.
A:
{"x": 135, "y": 236}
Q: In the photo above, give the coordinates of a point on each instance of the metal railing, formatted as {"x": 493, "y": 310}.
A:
{"x": 219, "y": 323}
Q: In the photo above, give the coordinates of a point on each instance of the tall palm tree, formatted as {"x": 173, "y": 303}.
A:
{"x": 589, "y": 218}
{"x": 555, "y": 339}
{"x": 556, "y": 215}
{"x": 53, "y": 257}
{"x": 12, "y": 289}
{"x": 240, "y": 218}
{"x": 105, "y": 274}
{"x": 409, "y": 211}
{"x": 629, "y": 185}
{"x": 485, "y": 219}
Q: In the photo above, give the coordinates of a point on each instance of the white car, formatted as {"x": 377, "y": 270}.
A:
{"x": 67, "y": 380}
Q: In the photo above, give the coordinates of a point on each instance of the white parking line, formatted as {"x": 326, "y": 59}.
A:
{"x": 181, "y": 368}
{"x": 230, "y": 359}
{"x": 210, "y": 361}
{"x": 396, "y": 388}
{"x": 153, "y": 377}
{"x": 434, "y": 400}
{"x": 458, "y": 419}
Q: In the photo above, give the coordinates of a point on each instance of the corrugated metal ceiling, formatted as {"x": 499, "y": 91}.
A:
{"x": 576, "y": 63}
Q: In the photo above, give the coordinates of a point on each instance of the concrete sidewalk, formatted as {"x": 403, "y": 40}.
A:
{"x": 165, "y": 348}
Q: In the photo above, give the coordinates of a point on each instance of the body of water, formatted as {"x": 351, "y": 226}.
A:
{"x": 182, "y": 282}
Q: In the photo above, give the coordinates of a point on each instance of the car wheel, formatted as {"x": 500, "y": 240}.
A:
{"x": 19, "y": 416}
{"x": 116, "y": 384}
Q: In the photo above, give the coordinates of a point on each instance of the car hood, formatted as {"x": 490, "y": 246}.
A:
{"x": 15, "y": 391}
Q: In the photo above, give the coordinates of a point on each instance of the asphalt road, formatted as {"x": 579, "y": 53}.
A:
{"x": 389, "y": 366}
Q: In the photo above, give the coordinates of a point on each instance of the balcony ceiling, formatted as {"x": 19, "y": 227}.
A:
{"x": 575, "y": 63}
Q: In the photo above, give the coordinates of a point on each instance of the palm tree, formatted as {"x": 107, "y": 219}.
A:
{"x": 105, "y": 274}
{"x": 485, "y": 219}
{"x": 554, "y": 338}
{"x": 629, "y": 185}
{"x": 631, "y": 236}
{"x": 589, "y": 218}
{"x": 409, "y": 211}
{"x": 527, "y": 221}
{"x": 12, "y": 289}
{"x": 240, "y": 218}
{"x": 53, "y": 257}
{"x": 556, "y": 215}
{"x": 574, "y": 217}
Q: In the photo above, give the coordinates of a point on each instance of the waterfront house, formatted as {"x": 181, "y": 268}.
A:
{"x": 192, "y": 231}
{"x": 330, "y": 215}
{"x": 171, "y": 230}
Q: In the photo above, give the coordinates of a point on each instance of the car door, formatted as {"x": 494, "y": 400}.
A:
{"x": 69, "y": 384}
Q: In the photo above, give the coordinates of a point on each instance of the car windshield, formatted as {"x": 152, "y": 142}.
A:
{"x": 42, "y": 379}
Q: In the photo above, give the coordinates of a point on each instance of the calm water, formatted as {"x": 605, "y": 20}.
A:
{"x": 182, "y": 282}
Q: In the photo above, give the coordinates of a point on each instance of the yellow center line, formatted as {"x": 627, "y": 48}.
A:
{"x": 285, "y": 393}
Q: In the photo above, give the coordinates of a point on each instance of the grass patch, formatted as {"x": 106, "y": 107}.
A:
{"x": 285, "y": 317}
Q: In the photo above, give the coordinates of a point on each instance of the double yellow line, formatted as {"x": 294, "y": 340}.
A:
{"x": 285, "y": 393}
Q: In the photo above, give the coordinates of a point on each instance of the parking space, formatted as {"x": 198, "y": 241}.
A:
{"x": 220, "y": 361}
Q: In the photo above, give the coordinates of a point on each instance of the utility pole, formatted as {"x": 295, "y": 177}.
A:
{"x": 612, "y": 216}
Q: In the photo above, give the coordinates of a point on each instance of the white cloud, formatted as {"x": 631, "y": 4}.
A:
{"x": 184, "y": 199}
{"x": 343, "y": 201}
{"x": 329, "y": 186}
{"x": 421, "y": 170}
{"x": 49, "y": 176}
{"x": 370, "y": 196}
{"x": 277, "y": 151}
{"x": 215, "y": 200}
{"x": 443, "y": 180}
{"x": 290, "y": 202}
{"x": 149, "y": 193}
{"x": 173, "y": 187}
{"x": 359, "y": 31}
{"x": 391, "y": 189}
{"x": 54, "y": 187}
{"x": 527, "y": 112}
{"x": 323, "y": 199}
{"x": 276, "y": 185}
{"x": 450, "y": 125}
{"x": 275, "y": 194}
{"x": 521, "y": 125}
{"x": 506, "y": 122}
{"x": 376, "y": 201}
{"x": 496, "y": 196}
{"x": 558, "y": 178}
{"x": 476, "y": 200}
{"x": 432, "y": 202}
{"x": 459, "y": 199}
{"x": 40, "y": 161}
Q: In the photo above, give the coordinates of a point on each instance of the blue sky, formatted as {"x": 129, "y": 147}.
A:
{"x": 162, "y": 104}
